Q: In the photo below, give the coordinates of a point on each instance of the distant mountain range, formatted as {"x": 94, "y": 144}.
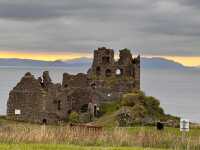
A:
{"x": 39, "y": 63}
{"x": 147, "y": 63}
{"x": 160, "y": 63}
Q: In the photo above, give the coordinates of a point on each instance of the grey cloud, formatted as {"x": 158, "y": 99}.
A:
{"x": 193, "y": 3}
{"x": 45, "y": 9}
{"x": 151, "y": 27}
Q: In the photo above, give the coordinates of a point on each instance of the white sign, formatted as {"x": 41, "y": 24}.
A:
{"x": 17, "y": 112}
{"x": 184, "y": 125}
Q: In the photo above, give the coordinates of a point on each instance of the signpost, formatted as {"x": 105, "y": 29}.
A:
{"x": 184, "y": 125}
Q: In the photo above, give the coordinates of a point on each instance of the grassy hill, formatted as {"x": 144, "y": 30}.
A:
{"x": 134, "y": 109}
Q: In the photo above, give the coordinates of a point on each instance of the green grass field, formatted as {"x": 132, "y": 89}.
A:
{"x": 26, "y": 136}
{"x": 64, "y": 147}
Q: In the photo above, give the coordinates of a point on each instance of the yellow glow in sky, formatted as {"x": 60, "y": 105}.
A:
{"x": 186, "y": 61}
{"x": 189, "y": 61}
{"x": 43, "y": 56}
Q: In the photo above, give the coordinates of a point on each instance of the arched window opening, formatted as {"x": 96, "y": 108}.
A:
{"x": 98, "y": 71}
{"x": 93, "y": 86}
{"x": 44, "y": 121}
{"x": 95, "y": 110}
{"x": 108, "y": 73}
{"x": 59, "y": 105}
{"x": 69, "y": 111}
{"x": 109, "y": 94}
{"x": 118, "y": 72}
{"x": 122, "y": 71}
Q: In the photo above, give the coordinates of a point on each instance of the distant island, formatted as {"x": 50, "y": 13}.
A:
{"x": 147, "y": 63}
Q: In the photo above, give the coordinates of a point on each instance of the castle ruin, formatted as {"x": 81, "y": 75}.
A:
{"x": 41, "y": 101}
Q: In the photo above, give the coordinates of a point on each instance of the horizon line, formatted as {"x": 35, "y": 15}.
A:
{"x": 187, "y": 61}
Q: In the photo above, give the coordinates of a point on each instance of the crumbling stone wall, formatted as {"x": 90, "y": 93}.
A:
{"x": 31, "y": 100}
{"x": 79, "y": 80}
{"x": 26, "y": 98}
{"x": 41, "y": 101}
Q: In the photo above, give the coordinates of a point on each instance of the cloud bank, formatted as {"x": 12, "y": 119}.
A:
{"x": 149, "y": 27}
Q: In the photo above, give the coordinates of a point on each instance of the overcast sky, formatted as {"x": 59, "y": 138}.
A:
{"x": 149, "y": 27}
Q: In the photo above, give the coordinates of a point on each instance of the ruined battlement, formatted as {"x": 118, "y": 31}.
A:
{"x": 103, "y": 56}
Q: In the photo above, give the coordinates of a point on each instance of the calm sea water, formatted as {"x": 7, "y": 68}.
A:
{"x": 177, "y": 90}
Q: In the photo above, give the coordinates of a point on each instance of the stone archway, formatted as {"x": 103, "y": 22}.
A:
{"x": 44, "y": 121}
{"x": 119, "y": 72}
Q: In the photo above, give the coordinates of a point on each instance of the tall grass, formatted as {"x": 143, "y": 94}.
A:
{"x": 143, "y": 136}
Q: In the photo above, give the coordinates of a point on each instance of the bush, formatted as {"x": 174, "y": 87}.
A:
{"x": 139, "y": 111}
{"x": 142, "y": 105}
{"x": 136, "y": 108}
{"x": 131, "y": 99}
{"x": 153, "y": 106}
{"x": 110, "y": 107}
{"x": 74, "y": 117}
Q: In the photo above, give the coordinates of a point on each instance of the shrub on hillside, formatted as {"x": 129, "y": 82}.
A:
{"x": 110, "y": 107}
{"x": 132, "y": 99}
{"x": 136, "y": 108}
{"x": 142, "y": 105}
{"x": 74, "y": 117}
{"x": 153, "y": 106}
{"x": 139, "y": 111}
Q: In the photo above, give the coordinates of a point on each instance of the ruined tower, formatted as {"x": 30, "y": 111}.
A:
{"x": 105, "y": 66}
{"x": 103, "y": 63}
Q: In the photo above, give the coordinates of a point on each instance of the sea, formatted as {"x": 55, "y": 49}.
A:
{"x": 178, "y": 90}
